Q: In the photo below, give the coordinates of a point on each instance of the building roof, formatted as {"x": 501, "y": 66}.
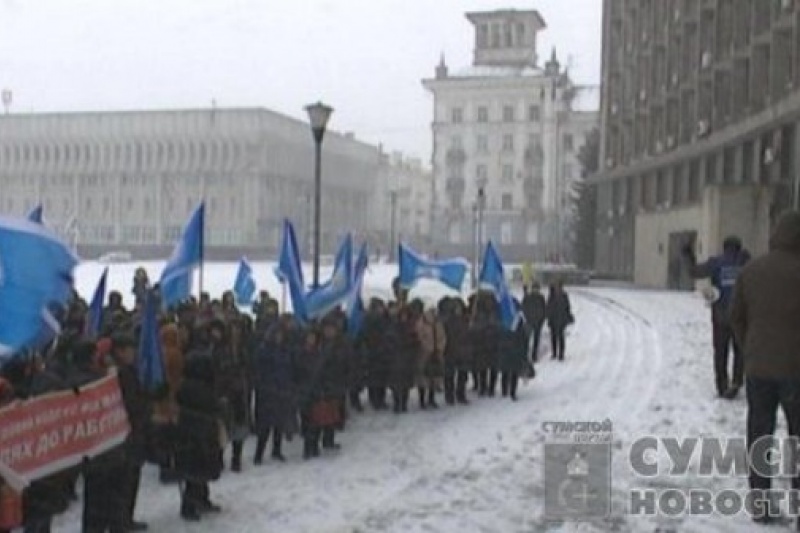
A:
{"x": 475, "y": 16}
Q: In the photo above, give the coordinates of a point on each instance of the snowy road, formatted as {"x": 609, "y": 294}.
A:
{"x": 641, "y": 359}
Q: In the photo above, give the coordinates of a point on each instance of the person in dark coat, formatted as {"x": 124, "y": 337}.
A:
{"x": 559, "y": 316}
{"x": 723, "y": 270}
{"x": 231, "y": 387}
{"x": 534, "y": 308}
{"x": 141, "y": 285}
{"x": 308, "y": 367}
{"x": 376, "y": 353}
{"x": 106, "y": 476}
{"x": 513, "y": 359}
{"x": 50, "y": 496}
{"x": 139, "y": 410}
{"x": 402, "y": 335}
{"x": 332, "y": 381}
{"x": 199, "y": 446}
{"x": 275, "y": 393}
{"x": 765, "y": 314}
{"x": 484, "y": 337}
{"x": 457, "y": 354}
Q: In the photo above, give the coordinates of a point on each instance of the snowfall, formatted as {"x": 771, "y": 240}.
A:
{"x": 639, "y": 358}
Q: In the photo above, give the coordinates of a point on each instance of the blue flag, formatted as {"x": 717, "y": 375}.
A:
{"x": 150, "y": 362}
{"x": 95, "y": 314}
{"x": 355, "y": 303}
{"x": 35, "y": 276}
{"x": 492, "y": 278}
{"x": 244, "y": 288}
{"x": 319, "y": 302}
{"x": 36, "y": 214}
{"x": 176, "y": 278}
{"x": 450, "y": 272}
{"x": 289, "y": 271}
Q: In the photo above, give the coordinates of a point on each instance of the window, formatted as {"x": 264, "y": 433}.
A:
{"x": 506, "y": 233}
{"x": 532, "y": 234}
{"x": 88, "y": 204}
{"x": 481, "y": 173}
{"x": 455, "y": 141}
{"x": 106, "y": 205}
{"x": 507, "y": 201}
{"x": 482, "y": 144}
{"x": 457, "y": 115}
{"x": 483, "y": 114}
{"x": 455, "y": 233}
{"x": 508, "y": 113}
{"x": 508, "y": 173}
{"x": 483, "y": 35}
{"x": 534, "y": 114}
{"x": 508, "y": 143}
{"x": 568, "y": 143}
{"x": 129, "y": 204}
{"x": 147, "y": 206}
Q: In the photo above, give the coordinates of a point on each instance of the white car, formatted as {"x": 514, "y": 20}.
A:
{"x": 115, "y": 257}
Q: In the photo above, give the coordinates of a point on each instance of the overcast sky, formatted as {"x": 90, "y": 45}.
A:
{"x": 364, "y": 57}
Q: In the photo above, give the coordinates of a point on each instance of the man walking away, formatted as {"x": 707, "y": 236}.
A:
{"x": 765, "y": 314}
{"x": 723, "y": 270}
{"x": 534, "y": 308}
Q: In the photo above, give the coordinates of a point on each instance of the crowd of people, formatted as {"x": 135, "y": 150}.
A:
{"x": 229, "y": 375}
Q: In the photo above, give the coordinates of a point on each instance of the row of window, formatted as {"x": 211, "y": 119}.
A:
{"x": 506, "y": 201}
{"x": 501, "y": 34}
{"x": 146, "y": 234}
{"x": 456, "y": 233}
{"x": 128, "y": 155}
{"x": 482, "y": 142}
{"x": 508, "y": 114}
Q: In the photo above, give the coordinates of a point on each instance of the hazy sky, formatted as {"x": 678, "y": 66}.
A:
{"x": 364, "y": 57}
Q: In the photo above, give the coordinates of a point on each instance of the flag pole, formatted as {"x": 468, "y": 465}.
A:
{"x": 201, "y": 268}
{"x": 283, "y": 297}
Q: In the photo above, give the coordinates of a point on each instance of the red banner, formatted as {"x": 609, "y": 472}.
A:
{"x": 55, "y": 431}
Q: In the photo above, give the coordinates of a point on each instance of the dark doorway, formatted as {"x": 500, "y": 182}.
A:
{"x": 678, "y": 275}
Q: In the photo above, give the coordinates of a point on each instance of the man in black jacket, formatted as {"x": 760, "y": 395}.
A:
{"x": 534, "y": 309}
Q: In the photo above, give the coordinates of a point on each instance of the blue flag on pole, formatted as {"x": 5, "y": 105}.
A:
{"x": 289, "y": 271}
{"x": 150, "y": 362}
{"x": 333, "y": 293}
{"x": 95, "y": 314}
{"x": 492, "y": 278}
{"x": 36, "y": 214}
{"x": 35, "y": 276}
{"x": 176, "y": 278}
{"x": 355, "y": 303}
{"x": 450, "y": 272}
{"x": 244, "y": 288}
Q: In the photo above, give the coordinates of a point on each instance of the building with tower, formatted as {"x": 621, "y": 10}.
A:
{"x": 506, "y": 134}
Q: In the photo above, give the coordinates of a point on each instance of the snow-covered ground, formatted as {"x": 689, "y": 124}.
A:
{"x": 639, "y": 358}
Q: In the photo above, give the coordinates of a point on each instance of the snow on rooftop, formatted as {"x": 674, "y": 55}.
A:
{"x": 489, "y": 71}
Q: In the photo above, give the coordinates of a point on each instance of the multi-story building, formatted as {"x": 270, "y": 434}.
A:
{"x": 699, "y": 132}
{"x": 506, "y": 134}
{"x": 127, "y": 181}
{"x": 402, "y": 204}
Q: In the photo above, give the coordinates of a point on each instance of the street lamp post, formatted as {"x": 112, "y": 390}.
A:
{"x": 474, "y": 244}
{"x": 318, "y": 115}
{"x": 393, "y": 228}
{"x": 481, "y": 208}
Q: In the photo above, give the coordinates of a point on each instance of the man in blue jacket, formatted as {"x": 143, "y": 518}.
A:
{"x": 722, "y": 270}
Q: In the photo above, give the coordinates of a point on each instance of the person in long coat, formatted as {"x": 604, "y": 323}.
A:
{"x": 534, "y": 308}
{"x": 484, "y": 336}
{"x": 275, "y": 393}
{"x": 402, "y": 337}
{"x": 559, "y": 316}
{"x": 457, "y": 354}
{"x": 376, "y": 353}
{"x": 513, "y": 359}
{"x": 199, "y": 436}
{"x": 430, "y": 364}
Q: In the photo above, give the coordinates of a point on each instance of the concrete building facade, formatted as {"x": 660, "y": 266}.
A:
{"x": 699, "y": 138}
{"x": 508, "y": 129}
{"x": 127, "y": 181}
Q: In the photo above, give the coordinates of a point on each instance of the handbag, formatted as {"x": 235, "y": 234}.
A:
{"x": 10, "y": 508}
